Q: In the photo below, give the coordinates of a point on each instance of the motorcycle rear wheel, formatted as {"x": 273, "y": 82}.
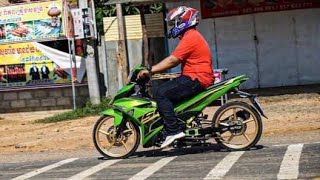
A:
{"x": 106, "y": 142}
{"x": 251, "y": 128}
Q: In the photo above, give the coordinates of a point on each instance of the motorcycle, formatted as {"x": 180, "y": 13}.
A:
{"x": 133, "y": 117}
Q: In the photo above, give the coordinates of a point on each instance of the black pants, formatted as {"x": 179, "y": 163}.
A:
{"x": 171, "y": 92}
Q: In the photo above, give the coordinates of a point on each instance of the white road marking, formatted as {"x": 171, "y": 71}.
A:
{"x": 145, "y": 173}
{"x": 306, "y": 143}
{"x": 92, "y": 170}
{"x": 224, "y": 166}
{"x": 289, "y": 168}
{"x": 44, "y": 169}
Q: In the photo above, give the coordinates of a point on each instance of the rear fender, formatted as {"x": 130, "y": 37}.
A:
{"x": 254, "y": 101}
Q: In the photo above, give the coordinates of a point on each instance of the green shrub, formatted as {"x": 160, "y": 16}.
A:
{"x": 88, "y": 110}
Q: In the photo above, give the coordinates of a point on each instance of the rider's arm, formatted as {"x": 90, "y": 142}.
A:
{"x": 167, "y": 63}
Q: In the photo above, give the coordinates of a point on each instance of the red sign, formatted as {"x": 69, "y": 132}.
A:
{"x": 220, "y": 8}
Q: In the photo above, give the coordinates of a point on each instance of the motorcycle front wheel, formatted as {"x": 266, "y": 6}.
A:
{"x": 244, "y": 126}
{"x": 111, "y": 146}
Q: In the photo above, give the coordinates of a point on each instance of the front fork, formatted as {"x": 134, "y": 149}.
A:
{"x": 121, "y": 127}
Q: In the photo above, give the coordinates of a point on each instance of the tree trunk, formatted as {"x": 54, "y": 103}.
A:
{"x": 145, "y": 43}
{"x": 122, "y": 50}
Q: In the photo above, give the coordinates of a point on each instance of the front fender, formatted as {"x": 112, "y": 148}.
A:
{"x": 118, "y": 116}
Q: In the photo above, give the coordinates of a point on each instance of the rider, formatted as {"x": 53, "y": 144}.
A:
{"x": 193, "y": 52}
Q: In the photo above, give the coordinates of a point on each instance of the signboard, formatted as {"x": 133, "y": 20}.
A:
{"x": 77, "y": 23}
{"x": 32, "y": 21}
{"x": 71, "y": 3}
{"x": 83, "y": 23}
{"x": 30, "y": 64}
{"x": 221, "y": 8}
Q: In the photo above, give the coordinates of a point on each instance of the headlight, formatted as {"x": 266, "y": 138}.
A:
{"x": 120, "y": 108}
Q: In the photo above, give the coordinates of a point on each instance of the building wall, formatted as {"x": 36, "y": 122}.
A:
{"x": 273, "y": 49}
{"x": 42, "y": 99}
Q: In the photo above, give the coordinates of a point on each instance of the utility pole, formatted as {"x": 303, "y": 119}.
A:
{"x": 91, "y": 66}
{"x": 122, "y": 50}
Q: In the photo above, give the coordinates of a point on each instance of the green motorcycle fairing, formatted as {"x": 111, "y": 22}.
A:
{"x": 123, "y": 92}
{"x": 202, "y": 100}
{"x": 142, "y": 111}
{"x": 132, "y": 108}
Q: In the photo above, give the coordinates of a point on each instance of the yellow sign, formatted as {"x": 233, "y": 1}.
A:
{"x": 24, "y": 65}
{"x": 32, "y": 21}
{"x": 20, "y": 53}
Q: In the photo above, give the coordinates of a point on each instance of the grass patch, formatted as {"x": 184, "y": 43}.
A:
{"x": 88, "y": 110}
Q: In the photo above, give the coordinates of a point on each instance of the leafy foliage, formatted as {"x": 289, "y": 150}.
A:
{"x": 103, "y": 10}
{"x": 131, "y": 10}
{"x": 88, "y": 110}
{"x": 154, "y": 8}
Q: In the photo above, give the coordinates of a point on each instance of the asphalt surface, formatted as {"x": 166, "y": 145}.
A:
{"x": 274, "y": 161}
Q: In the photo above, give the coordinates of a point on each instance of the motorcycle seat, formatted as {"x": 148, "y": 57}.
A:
{"x": 219, "y": 83}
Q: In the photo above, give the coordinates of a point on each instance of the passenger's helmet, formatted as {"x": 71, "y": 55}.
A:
{"x": 181, "y": 18}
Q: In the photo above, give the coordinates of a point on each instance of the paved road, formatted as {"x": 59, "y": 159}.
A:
{"x": 292, "y": 161}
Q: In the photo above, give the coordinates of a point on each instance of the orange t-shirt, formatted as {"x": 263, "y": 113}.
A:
{"x": 194, "y": 53}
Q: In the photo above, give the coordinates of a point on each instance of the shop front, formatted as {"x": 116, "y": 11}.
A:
{"x": 274, "y": 42}
{"x": 34, "y": 76}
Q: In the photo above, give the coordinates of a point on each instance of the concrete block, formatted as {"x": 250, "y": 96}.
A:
{"x": 64, "y": 101}
{"x": 81, "y": 101}
{"x": 48, "y": 102}
{"x": 41, "y": 109}
{"x": 40, "y": 93}
{"x": 84, "y": 91}
{"x": 10, "y": 96}
{"x": 59, "y": 107}
{"x": 18, "y": 104}
{"x": 4, "y": 105}
{"x": 1, "y": 96}
{"x": 55, "y": 92}
{"x": 33, "y": 103}
{"x": 67, "y": 92}
{"x": 10, "y": 110}
{"x": 24, "y": 109}
{"x": 25, "y": 95}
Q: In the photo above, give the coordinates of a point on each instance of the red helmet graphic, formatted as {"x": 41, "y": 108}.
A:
{"x": 182, "y": 18}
